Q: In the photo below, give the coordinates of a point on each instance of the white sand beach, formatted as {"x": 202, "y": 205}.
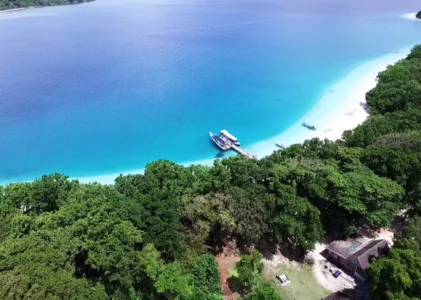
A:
{"x": 26, "y": 12}
{"x": 339, "y": 109}
{"x": 14, "y": 9}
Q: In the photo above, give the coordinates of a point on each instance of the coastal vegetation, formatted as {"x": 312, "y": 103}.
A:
{"x": 154, "y": 235}
{"x": 15, "y": 4}
{"x": 398, "y": 275}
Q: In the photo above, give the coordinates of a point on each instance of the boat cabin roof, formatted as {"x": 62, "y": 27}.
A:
{"x": 228, "y": 135}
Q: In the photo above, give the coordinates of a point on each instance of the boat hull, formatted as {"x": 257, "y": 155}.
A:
{"x": 219, "y": 142}
{"x": 282, "y": 146}
{"x": 308, "y": 126}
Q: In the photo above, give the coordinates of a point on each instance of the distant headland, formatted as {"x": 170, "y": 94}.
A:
{"x": 419, "y": 15}
{"x": 6, "y": 5}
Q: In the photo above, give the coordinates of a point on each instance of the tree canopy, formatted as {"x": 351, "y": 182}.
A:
{"x": 398, "y": 276}
{"x": 249, "y": 269}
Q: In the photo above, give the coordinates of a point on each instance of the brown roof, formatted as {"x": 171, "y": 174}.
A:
{"x": 346, "y": 248}
{"x": 371, "y": 251}
{"x": 360, "y": 252}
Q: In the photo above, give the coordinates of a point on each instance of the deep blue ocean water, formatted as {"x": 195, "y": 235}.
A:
{"x": 109, "y": 86}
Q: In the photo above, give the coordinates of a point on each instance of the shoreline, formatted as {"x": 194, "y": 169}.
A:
{"x": 17, "y": 9}
{"x": 340, "y": 108}
{"x": 32, "y": 7}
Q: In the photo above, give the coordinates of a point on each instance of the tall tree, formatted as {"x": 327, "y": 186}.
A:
{"x": 161, "y": 192}
{"x": 249, "y": 269}
{"x": 172, "y": 283}
{"x": 207, "y": 221}
{"x": 398, "y": 276}
{"x": 206, "y": 277}
{"x": 30, "y": 268}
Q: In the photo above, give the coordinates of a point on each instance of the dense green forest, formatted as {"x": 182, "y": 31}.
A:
{"x": 12, "y": 4}
{"x": 154, "y": 236}
{"x": 398, "y": 276}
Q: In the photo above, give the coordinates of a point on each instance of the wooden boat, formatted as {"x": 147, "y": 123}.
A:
{"x": 223, "y": 145}
{"x": 225, "y": 141}
{"x": 281, "y": 145}
{"x": 308, "y": 126}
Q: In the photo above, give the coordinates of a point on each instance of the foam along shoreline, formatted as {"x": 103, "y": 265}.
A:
{"x": 411, "y": 16}
{"x": 15, "y": 9}
{"x": 339, "y": 109}
{"x": 25, "y": 12}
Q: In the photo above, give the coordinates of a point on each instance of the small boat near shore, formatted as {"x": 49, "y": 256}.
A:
{"x": 281, "y": 145}
{"x": 308, "y": 126}
{"x": 229, "y": 137}
{"x": 223, "y": 145}
{"x": 226, "y": 141}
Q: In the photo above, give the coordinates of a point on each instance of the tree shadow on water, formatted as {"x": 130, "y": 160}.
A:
{"x": 220, "y": 155}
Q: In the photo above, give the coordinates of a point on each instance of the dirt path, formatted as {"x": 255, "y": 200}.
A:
{"x": 226, "y": 264}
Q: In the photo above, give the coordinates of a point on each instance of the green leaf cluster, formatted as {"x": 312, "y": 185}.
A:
{"x": 398, "y": 276}
{"x": 249, "y": 270}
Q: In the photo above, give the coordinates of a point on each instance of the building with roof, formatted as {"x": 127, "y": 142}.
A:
{"x": 356, "y": 256}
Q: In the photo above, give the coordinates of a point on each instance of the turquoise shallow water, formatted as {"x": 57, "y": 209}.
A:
{"x": 107, "y": 87}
